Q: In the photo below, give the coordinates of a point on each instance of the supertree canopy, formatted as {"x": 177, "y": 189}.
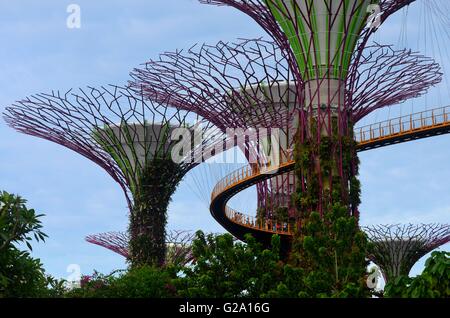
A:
{"x": 318, "y": 37}
{"x": 132, "y": 139}
{"x": 114, "y": 241}
{"x": 245, "y": 85}
{"x": 396, "y": 248}
{"x": 178, "y": 252}
{"x": 322, "y": 41}
{"x": 223, "y": 82}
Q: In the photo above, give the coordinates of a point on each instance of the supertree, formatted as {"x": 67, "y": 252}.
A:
{"x": 245, "y": 84}
{"x": 144, "y": 146}
{"x": 322, "y": 41}
{"x": 179, "y": 251}
{"x": 239, "y": 86}
{"x": 396, "y": 248}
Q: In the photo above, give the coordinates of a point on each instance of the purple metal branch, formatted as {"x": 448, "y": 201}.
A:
{"x": 385, "y": 77}
{"x": 77, "y": 119}
{"x": 231, "y": 85}
{"x": 241, "y": 85}
{"x": 261, "y": 14}
{"x": 113, "y": 241}
{"x": 179, "y": 249}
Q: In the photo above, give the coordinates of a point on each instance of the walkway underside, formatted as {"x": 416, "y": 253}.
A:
{"x": 412, "y": 127}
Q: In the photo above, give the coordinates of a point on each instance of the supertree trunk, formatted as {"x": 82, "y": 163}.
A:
{"x": 325, "y": 150}
{"x": 148, "y": 217}
{"x": 328, "y": 245}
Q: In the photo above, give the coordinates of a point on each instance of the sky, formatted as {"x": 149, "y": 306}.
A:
{"x": 400, "y": 184}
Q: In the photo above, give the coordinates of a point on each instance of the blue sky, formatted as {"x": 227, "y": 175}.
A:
{"x": 404, "y": 183}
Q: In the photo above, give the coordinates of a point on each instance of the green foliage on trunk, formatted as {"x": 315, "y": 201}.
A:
{"x": 331, "y": 252}
{"x": 152, "y": 178}
{"x": 281, "y": 214}
{"x": 329, "y": 246}
{"x": 148, "y": 218}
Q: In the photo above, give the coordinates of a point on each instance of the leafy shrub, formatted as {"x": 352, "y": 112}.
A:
{"x": 145, "y": 282}
{"x": 94, "y": 286}
{"x": 20, "y": 274}
{"x": 139, "y": 282}
{"x": 224, "y": 268}
{"x": 331, "y": 252}
{"x": 17, "y": 222}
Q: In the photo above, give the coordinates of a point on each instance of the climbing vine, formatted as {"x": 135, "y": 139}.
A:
{"x": 148, "y": 219}
{"x": 328, "y": 245}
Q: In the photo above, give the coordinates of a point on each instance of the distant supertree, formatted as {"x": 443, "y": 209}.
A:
{"x": 245, "y": 85}
{"x": 396, "y": 248}
{"x": 179, "y": 249}
{"x": 132, "y": 139}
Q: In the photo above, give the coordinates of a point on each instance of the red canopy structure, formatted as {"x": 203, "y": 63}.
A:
{"x": 178, "y": 243}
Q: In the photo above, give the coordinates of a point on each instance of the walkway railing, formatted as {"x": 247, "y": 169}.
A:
{"x": 243, "y": 175}
{"x": 266, "y": 225}
{"x": 405, "y": 125}
{"x": 249, "y": 172}
{"x": 426, "y": 120}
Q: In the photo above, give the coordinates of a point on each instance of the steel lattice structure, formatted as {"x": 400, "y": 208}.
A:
{"x": 396, "y": 248}
{"x": 178, "y": 243}
{"x": 289, "y": 21}
{"x": 384, "y": 77}
{"x": 130, "y": 138}
{"x": 113, "y": 241}
{"x": 223, "y": 82}
{"x": 72, "y": 119}
{"x": 243, "y": 85}
{"x": 209, "y": 80}
{"x": 323, "y": 42}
